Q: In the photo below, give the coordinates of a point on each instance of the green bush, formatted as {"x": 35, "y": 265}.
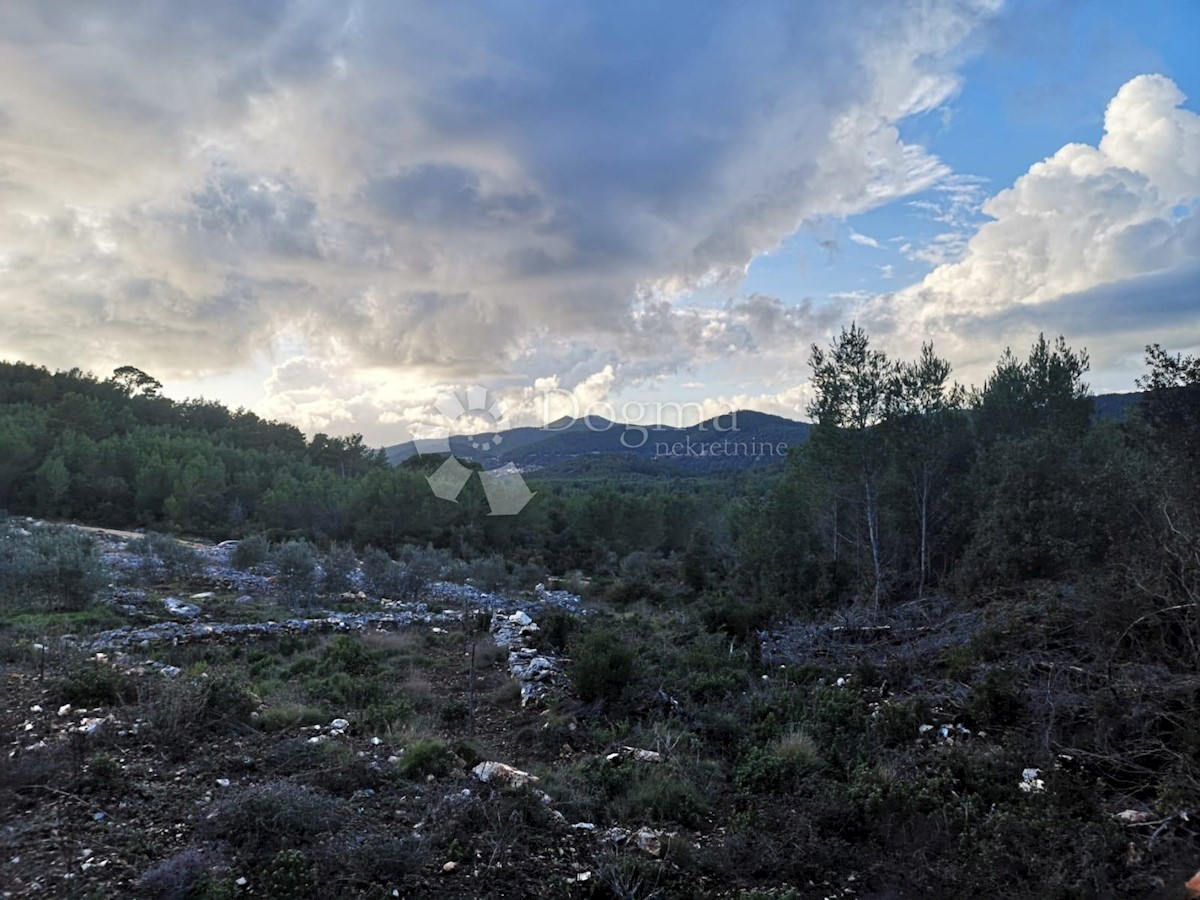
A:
{"x": 339, "y": 565}
{"x": 297, "y": 567}
{"x": 739, "y": 618}
{"x": 290, "y": 875}
{"x": 345, "y": 653}
{"x": 556, "y": 628}
{"x": 275, "y": 815}
{"x": 660, "y": 796}
{"x": 105, "y": 772}
{"x": 489, "y": 573}
{"x": 93, "y": 684}
{"x": 164, "y": 558}
{"x": 251, "y": 551}
{"x": 424, "y": 757}
{"x": 49, "y": 569}
{"x": 427, "y": 563}
{"x": 282, "y": 718}
{"x": 994, "y": 701}
{"x": 780, "y": 766}
{"x": 381, "y": 716}
{"x": 387, "y": 578}
{"x": 602, "y": 666}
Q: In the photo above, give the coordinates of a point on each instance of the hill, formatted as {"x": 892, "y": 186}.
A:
{"x": 735, "y": 441}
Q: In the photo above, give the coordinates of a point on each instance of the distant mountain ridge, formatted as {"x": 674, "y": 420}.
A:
{"x": 737, "y": 440}
{"x": 733, "y": 441}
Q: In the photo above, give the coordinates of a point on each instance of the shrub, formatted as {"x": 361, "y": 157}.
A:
{"x": 556, "y": 627}
{"x": 382, "y": 858}
{"x": 424, "y": 757}
{"x": 489, "y": 573}
{"x": 339, "y": 564}
{"x": 179, "y": 709}
{"x": 528, "y": 575}
{"x": 347, "y": 654}
{"x": 426, "y": 562}
{"x": 290, "y": 874}
{"x": 281, "y": 718}
{"x": 994, "y": 702}
{"x": 779, "y": 766}
{"x": 384, "y": 715}
{"x": 275, "y": 815}
{"x": 602, "y": 667}
{"x": 737, "y": 618}
{"x": 250, "y": 552}
{"x": 297, "y": 565}
{"x": 105, "y": 772}
{"x": 622, "y": 593}
{"x": 93, "y": 684}
{"x": 375, "y": 564}
{"x": 162, "y": 557}
{"x": 658, "y": 795}
{"x": 174, "y": 878}
{"x": 387, "y": 578}
{"x": 457, "y": 571}
{"x": 52, "y": 766}
{"x": 51, "y": 569}
{"x": 327, "y": 766}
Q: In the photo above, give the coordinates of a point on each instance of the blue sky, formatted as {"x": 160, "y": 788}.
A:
{"x": 334, "y": 213}
{"x": 1039, "y": 79}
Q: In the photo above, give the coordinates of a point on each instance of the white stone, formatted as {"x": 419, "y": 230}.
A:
{"x": 502, "y": 774}
{"x": 649, "y": 841}
{"x": 1030, "y": 782}
{"x": 1132, "y": 816}
{"x": 179, "y": 608}
{"x": 651, "y": 756}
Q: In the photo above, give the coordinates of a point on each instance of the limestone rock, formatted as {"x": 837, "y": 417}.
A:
{"x": 502, "y": 774}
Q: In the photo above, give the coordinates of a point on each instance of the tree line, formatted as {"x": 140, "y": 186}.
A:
{"x": 115, "y": 452}
{"x": 911, "y": 482}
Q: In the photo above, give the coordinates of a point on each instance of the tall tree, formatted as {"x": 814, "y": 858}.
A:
{"x": 852, "y": 383}
{"x": 922, "y": 406}
{"x": 135, "y": 381}
{"x": 1046, "y": 390}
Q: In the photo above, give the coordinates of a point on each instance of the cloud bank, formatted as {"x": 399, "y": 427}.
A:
{"x": 419, "y": 194}
{"x": 1101, "y": 243}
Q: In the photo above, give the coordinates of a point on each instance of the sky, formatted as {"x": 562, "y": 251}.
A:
{"x": 334, "y": 212}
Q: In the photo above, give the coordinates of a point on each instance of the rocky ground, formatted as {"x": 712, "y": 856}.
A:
{"x": 104, "y": 799}
{"x": 194, "y": 737}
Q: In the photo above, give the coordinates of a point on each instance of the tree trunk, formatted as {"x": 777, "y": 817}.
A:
{"x": 924, "y": 513}
{"x": 873, "y": 534}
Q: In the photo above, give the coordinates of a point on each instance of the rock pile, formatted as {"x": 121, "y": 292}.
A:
{"x": 538, "y": 673}
{"x": 186, "y": 632}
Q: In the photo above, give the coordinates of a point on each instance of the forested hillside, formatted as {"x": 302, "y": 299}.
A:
{"x": 115, "y": 453}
